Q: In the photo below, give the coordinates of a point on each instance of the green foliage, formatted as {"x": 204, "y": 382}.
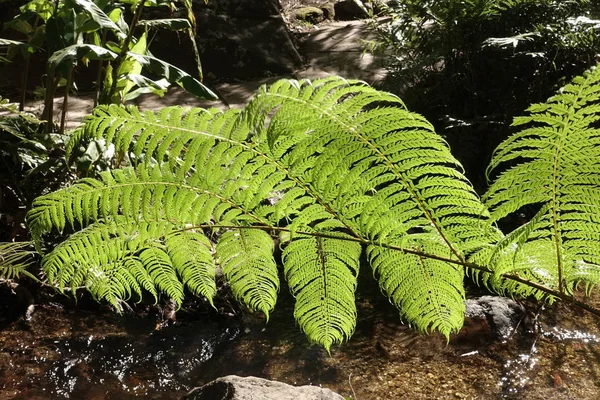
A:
{"x": 325, "y": 168}
{"x": 74, "y": 32}
{"x": 557, "y": 156}
{"x": 470, "y": 66}
{"x": 15, "y": 258}
{"x": 31, "y": 163}
{"x": 246, "y": 258}
{"x": 329, "y": 158}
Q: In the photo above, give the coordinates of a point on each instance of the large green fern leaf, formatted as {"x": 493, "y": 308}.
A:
{"x": 327, "y": 158}
{"x": 429, "y": 293}
{"x": 246, "y": 257}
{"x": 321, "y": 273}
{"x": 554, "y": 166}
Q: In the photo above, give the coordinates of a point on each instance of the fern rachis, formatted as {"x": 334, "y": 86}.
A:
{"x": 559, "y": 163}
{"x": 328, "y": 166}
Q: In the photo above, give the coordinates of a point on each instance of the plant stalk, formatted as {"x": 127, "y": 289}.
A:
{"x": 24, "y": 83}
{"x": 99, "y": 81}
{"x": 125, "y": 49}
{"x": 65, "y": 103}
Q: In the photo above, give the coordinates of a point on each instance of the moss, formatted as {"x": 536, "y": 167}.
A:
{"x": 312, "y": 15}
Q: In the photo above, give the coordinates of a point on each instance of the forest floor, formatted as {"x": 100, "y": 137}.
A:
{"x": 334, "y": 47}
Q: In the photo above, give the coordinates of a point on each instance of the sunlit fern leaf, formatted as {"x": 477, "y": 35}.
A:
{"x": 429, "y": 293}
{"x": 146, "y": 135}
{"x": 15, "y": 258}
{"x": 553, "y": 164}
{"x": 534, "y": 261}
{"x": 92, "y": 256}
{"x": 246, "y": 258}
{"x": 329, "y": 155}
{"x": 321, "y": 273}
{"x": 113, "y": 282}
{"x": 192, "y": 257}
{"x": 382, "y": 169}
{"x": 162, "y": 271}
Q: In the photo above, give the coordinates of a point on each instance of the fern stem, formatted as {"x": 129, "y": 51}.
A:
{"x": 388, "y": 163}
{"x": 554, "y": 293}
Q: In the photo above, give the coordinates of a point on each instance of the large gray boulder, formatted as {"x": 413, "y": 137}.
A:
{"x": 234, "y": 387}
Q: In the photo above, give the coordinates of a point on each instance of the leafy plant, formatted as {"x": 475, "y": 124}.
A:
{"x": 325, "y": 169}
{"x": 471, "y": 66}
{"x": 31, "y": 163}
{"x": 15, "y": 258}
{"x": 77, "y": 31}
{"x": 558, "y": 173}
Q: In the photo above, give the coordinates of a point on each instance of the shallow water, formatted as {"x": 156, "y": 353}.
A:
{"x": 74, "y": 353}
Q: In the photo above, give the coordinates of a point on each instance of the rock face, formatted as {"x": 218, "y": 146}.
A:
{"x": 237, "y": 40}
{"x": 234, "y": 387}
{"x": 348, "y": 10}
{"x": 245, "y": 39}
{"x": 341, "y": 10}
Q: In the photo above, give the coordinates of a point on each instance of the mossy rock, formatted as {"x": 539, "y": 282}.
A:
{"x": 311, "y": 15}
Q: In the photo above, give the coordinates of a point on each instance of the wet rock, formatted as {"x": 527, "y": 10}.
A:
{"x": 234, "y": 387}
{"x": 501, "y": 314}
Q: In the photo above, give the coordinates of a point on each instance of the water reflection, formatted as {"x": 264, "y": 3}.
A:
{"x": 77, "y": 354}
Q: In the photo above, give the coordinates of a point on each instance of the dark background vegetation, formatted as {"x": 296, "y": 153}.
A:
{"x": 471, "y": 66}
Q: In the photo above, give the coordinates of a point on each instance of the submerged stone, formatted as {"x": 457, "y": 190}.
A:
{"x": 234, "y": 387}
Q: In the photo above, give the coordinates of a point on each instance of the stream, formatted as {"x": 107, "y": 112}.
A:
{"x": 514, "y": 352}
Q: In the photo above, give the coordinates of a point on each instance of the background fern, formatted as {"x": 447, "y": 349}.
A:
{"x": 15, "y": 258}
{"x": 329, "y": 163}
{"x": 557, "y": 171}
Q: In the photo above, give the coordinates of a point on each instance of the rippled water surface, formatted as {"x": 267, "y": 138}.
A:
{"x": 73, "y": 353}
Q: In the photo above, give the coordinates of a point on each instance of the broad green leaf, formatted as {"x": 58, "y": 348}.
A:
{"x": 71, "y": 54}
{"x": 100, "y": 17}
{"x": 174, "y": 75}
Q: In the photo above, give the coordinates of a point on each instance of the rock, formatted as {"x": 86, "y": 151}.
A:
{"x": 348, "y": 10}
{"x": 234, "y": 387}
{"x": 237, "y": 40}
{"x": 326, "y": 6}
{"x": 311, "y": 15}
{"x": 500, "y": 313}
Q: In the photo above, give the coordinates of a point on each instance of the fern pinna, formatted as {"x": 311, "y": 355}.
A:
{"x": 553, "y": 168}
{"x": 326, "y": 168}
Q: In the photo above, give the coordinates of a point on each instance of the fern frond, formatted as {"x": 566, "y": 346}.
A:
{"x": 116, "y": 258}
{"x": 136, "y": 132}
{"x": 329, "y": 156}
{"x": 382, "y": 168}
{"x": 554, "y": 164}
{"x": 429, "y": 293}
{"x": 192, "y": 256}
{"x": 321, "y": 273}
{"x": 246, "y": 257}
{"x": 15, "y": 258}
